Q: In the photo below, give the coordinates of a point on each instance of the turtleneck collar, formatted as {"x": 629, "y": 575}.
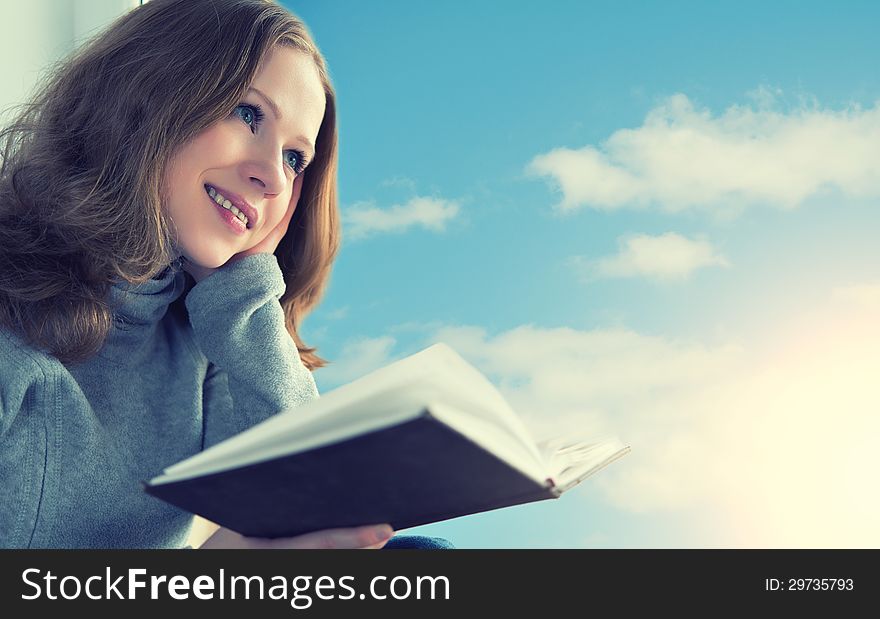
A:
{"x": 146, "y": 304}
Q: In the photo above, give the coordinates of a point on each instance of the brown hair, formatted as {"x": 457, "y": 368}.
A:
{"x": 80, "y": 180}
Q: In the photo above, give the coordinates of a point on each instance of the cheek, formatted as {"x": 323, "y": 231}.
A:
{"x": 215, "y": 141}
{"x": 274, "y": 218}
{"x": 207, "y": 150}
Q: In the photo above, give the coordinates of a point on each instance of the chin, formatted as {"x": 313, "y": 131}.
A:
{"x": 208, "y": 259}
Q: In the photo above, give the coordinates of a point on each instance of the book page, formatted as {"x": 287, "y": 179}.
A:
{"x": 385, "y": 396}
{"x": 575, "y": 459}
{"x": 520, "y": 456}
{"x": 477, "y": 394}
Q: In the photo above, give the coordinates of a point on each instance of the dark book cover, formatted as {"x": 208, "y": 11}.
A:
{"x": 413, "y": 473}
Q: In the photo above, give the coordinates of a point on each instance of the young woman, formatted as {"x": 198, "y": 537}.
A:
{"x": 169, "y": 216}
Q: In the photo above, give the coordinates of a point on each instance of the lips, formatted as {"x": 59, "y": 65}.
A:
{"x": 239, "y": 203}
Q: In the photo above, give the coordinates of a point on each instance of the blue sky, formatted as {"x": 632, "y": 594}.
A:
{"x": 657, "y": 219}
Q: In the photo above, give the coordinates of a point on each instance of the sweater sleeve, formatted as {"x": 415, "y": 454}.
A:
{"x": 254, "y": 370}
{"x": 27, "y": 408}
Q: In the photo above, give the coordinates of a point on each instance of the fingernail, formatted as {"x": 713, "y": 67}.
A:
{"x": 383, "y": 532}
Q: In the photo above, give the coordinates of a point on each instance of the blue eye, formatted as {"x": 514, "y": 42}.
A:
{"x": 255, "y": 111}
{"x": 296, "y": 159}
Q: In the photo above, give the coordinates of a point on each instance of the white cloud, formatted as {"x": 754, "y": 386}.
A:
{"x": 767, "y": 443}
{"x": 357, "y": 358}
{"x": 399, "y": 181}
{"x": 597, "y": 380}
{"x": 337, "y": 314}
{"x": 683, "y": 157}
{"x": 668, "y": 256}
{"x": 365, "y": 219}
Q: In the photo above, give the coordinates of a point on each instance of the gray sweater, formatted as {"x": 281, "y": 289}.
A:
{"x": 171, "y": 380}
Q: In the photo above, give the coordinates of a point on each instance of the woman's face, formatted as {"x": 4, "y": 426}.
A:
{"x": 253, "y": 155}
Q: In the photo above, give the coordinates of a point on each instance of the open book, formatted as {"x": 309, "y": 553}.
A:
{"x": 423, "y": 439}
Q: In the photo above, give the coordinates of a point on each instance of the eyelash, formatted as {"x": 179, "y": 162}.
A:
{"x": 259, "y": 115}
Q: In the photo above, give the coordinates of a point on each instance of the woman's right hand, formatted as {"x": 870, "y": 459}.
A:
{"x": 372, "y": 536}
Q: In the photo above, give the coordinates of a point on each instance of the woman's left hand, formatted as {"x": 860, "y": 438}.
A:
{"x": 267, "y": 246}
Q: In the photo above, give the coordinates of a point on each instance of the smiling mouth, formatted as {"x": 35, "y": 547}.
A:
{"x": 226, "y": 204}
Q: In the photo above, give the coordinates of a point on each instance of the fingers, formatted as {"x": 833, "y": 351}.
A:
{"x": 372, "y": 536}
{"x": 285, "y": 221}
{"x": 290, "y": 209}
{"x": 357, "y": 537}
{"x": 297, "y": 191}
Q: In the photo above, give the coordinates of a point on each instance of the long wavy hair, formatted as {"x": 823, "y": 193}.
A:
{"x": 82, "y": 161}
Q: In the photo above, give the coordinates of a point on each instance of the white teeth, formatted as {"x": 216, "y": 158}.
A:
{"x": 219, "y": 199}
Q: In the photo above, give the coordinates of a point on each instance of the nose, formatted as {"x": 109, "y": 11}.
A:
{"x": 266, "y": 174}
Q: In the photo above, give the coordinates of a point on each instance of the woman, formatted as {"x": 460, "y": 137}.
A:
{"x": 169, "y": 215}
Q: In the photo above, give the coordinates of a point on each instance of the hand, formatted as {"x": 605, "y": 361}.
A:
{"x": 267, "y": 246}
{"x": 372, "y": 536}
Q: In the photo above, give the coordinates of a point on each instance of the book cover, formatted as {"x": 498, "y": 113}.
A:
{"x": 413, "y": 473}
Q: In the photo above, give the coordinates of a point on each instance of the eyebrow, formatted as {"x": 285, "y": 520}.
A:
{"x": 277, "y": 113}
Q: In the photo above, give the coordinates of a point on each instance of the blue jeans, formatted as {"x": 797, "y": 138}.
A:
{"x": 422, "y": 542}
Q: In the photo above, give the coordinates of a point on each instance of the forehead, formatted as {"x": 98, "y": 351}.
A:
{"x": 290, "y": 78}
